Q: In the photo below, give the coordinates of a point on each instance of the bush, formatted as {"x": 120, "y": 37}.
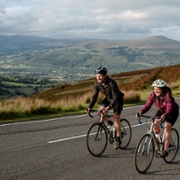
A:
{"x": 132, "y": 97}
{"x": 46, "y": 110}
{"x": 11, "y": 115}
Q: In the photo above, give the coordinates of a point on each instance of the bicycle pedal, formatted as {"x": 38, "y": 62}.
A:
{"x": 157, "y": 153}
{"x": 122, "y": 134}
{"x": 111, "y": 140}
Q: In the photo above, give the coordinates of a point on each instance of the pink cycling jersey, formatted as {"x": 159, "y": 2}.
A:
{"x": 166, "y": 105}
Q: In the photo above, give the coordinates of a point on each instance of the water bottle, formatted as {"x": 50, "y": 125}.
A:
{"x": 111, "y": 129}
{"x": 109, "y": 126}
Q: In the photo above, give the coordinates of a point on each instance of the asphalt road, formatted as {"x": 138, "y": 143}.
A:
{"x": 55, "y": 149}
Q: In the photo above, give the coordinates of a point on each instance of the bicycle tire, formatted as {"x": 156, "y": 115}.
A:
{"x": 126, "y": 133}
{"x": 144, "y": 154}
{"x": 97, "y": 139}
{"x": 174, "y": 146}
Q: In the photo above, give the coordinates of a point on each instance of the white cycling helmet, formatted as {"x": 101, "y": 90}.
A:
{"x": 159, "y": 83}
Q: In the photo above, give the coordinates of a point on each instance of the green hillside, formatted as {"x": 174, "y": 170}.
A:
{"x": 74, "y": 98}
{"x": 128, "y": 81}
{"x": 69, "y": 60}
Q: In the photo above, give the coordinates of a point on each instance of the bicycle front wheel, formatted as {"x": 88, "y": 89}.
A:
{"x": 126, "y": 133}
{"x": 174, "y": 146}
{"x": 144, "y": 154}
{"x": 97, "y": 139}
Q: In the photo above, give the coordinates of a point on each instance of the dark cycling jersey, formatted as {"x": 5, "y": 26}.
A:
{"x": 110, "y": 90}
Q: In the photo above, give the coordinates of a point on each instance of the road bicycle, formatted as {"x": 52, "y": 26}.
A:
{"x": 149, "y": 145}
{"x": 100, "y": 133}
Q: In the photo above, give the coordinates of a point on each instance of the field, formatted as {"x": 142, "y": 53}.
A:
{"x": 15, "y": 86}
{"x": 74, "y": 97}
{"x": 73, "y": 60}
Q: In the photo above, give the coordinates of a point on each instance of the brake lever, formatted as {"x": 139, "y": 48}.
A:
{"x": 139, "y": 121}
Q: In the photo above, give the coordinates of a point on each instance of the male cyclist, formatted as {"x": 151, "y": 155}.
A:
{"x": 113, "y": 99}
{"x": 168, "y": 111}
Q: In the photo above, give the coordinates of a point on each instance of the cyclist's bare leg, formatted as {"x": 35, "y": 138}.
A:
{"x": 117, "y": 124}
{"x": 167, "y": 135}
{"x": 156, "y": 128}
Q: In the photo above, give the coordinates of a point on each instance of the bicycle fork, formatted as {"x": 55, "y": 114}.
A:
{"x": 146, "y": 146}
{"x": 143, "y": 149}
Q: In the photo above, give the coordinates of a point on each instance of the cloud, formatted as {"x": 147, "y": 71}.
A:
{"x": 110, "y": 19}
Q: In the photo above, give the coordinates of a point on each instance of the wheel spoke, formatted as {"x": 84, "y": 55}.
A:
{"x": 144, "y": 154}
{"x": 174, "y": 146}
{"x": 97, "y": 139}
{"x": 126, "y": 133}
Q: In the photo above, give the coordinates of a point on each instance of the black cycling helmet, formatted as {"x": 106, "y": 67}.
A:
{"x": 101, "y": 70}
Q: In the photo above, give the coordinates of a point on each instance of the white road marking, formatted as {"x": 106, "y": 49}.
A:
{"x": 65, "y": 139}
{"x": 80, "y": 136}
{"x": 45, "y": 120}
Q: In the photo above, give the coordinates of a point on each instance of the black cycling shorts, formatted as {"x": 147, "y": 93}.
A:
{"x": 117, "y": 108}
{"x": 171, "y": 118}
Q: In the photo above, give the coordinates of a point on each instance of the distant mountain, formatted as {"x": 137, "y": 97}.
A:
{"x": 20, "y": 40}
{"x": 75, "y": 59}
{"x": 16, "y": 43}
{"x": 29, "y": 41}
{"x": 155, "y": 42}
{"x": 150, "y": 42}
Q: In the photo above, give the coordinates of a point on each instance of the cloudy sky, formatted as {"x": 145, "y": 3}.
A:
{"x": 100, "y": 19}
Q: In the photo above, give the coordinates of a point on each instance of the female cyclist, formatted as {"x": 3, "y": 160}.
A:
{"x": 168, "y": 110}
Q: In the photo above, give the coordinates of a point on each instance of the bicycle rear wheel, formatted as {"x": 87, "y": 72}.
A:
{"x": 126, "y": 133}
{"x": 144, "y": 154}
{"x": 97, "y": 139}
{"x": 174, "y": 146}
